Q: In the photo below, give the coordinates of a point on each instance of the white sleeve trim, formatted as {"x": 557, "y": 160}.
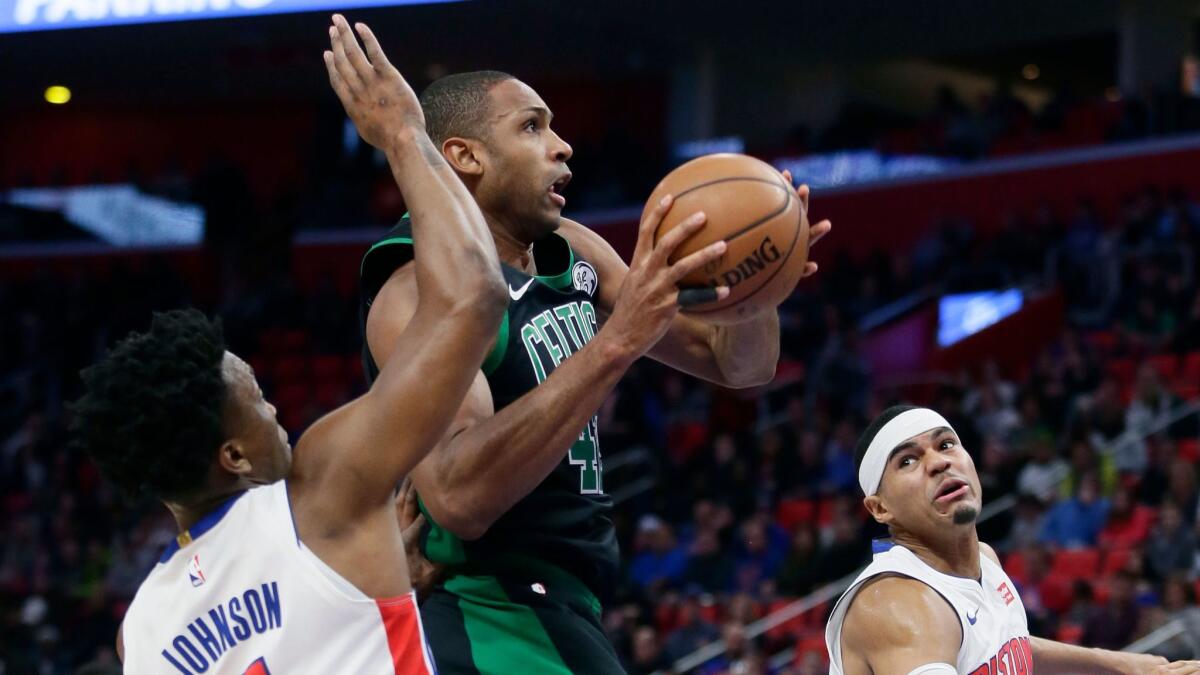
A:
{"x": 934, "y": 669}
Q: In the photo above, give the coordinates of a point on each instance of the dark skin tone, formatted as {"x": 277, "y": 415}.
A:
{"x": 488, "y": 461}
{"x": 342, "y": 477}
{"x": 929, "y": 498}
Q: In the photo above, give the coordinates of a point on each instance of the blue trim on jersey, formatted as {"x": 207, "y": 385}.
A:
{"x": 203, "y": 525}
{"x": 881, "y": 546}
{"x": 291, "y": 513}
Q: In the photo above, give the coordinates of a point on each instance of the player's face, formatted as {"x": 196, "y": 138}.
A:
{"x": 525, "y": 162}
{"x": 251, "y": 423}
{"x": 930, "y": 483}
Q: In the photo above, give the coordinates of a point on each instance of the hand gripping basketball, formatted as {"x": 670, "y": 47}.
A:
{"x": 376, "y": 97}
{"x": 650, "y": 295}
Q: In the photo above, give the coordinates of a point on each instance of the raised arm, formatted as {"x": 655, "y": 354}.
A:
{"x": 889, "y": 626}
{"x": 487, "y": 461}
{"x": 355, "y": 456}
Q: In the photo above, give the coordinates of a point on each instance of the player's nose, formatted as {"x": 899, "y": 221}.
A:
{"x": 562, "y": 149}
{"x": 938, "y": 463}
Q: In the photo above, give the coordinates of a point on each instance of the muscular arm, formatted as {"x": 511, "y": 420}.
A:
{"x": 896, "y": 624}
{"x": 487, "y": 462}
{"x": 348, "y": 464}
{"x": 739, "y": 355}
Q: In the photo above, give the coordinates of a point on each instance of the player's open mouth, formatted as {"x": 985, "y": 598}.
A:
{"x": 556, "y": 189}
{"x": 951, "y": 489}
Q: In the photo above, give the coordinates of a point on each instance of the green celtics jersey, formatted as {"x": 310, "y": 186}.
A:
{"x": 565, "y": 520}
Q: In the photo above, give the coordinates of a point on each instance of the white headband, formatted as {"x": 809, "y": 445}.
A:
{"x": 900, "y": 428}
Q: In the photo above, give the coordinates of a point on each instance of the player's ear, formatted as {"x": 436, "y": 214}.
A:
{"x": 232, "y": 458}
{"x": 463, "y": 155}
{"x": 878, "y": 511}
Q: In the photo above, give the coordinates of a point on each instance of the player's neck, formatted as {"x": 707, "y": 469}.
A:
{"x": 188, "y": 512}
{"x": 956, "y": 553}
{"x": 511, "y": 250}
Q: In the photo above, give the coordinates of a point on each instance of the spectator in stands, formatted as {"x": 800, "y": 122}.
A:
{"x": 741, "y": 654}
{"x": 691, "y": 632}
{"x": 648, "y": 654}
{"x": 994, "y": 418}
{"x": 763, "y": 548}
{"x": 1114, "y": 624}
{"x": 1128, "y": 524}
{"x": 1028, "y": 524}
{"x": 1171, "y": 548}
{"x": 658, "y": 560}
{"x": 1181, "y": 489}
{"x": 1044, "y": 472}
{"x": 1076, "y": 522}
{"x": 1160, "y": 453}
{"x": 709, "y": 566}
{"x": 1084, "y": 461}
{"x": 799, "y": 570}
{"x": 1152, "y": 402}
{"x": 846, "y": 550}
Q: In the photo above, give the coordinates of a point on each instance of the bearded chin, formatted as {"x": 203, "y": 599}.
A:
{"x": 965, "y": 515}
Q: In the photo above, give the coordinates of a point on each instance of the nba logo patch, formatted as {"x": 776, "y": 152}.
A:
{"x": 539, "y": 589}
{"x": 584, "y": 278}
{"x": 194, "y": 572}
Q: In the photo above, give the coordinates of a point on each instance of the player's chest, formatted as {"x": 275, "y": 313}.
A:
{"x": 995, "y": 632}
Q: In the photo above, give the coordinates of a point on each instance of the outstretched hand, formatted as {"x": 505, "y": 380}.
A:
{"x": 376, "y": 97}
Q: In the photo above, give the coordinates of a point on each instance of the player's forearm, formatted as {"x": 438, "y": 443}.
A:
{"x": 492, "y": 465}
{"x": 457, "y": 264}
{"x": 1052, "y": 657}
{"x": 747, "y": 353}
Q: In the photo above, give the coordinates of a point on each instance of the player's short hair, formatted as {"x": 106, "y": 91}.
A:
{"x": 864, "y": 441}
{"x": 458, "y": 104}
{"x": 151, "y": 412}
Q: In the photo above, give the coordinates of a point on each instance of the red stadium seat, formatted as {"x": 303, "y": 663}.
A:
{"x": 1189, "y": 449}
{"x": 1101, "y": 590}
{"x": 1076, "y": 564}
{"x": 1056, "y": 592}
{"x": 1191, "y": 366}
{"x": 1103, "y": 341}
{"x": 811, "y": 643}
{"x": 354, "y": 369}
{"x": 1114, "y": 560}
{"x": 1122, "y": 370}
{"x": 793, "y": 512}
{"x": 789, "y": 629}
{"x": 1069, "y": 633}
{"x": 1186, "y": 389}
{"x": 289, "y": 370}
{"x": 1165, "y": 364}
{"x": 1016, "y": 567}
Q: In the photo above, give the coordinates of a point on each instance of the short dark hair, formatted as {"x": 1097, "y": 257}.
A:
{"x": 457, "y": 105}
{"x": 151, "y": 412}
{"x": 864, "y": 441}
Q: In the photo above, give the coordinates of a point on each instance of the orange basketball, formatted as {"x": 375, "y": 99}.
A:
{"x": 755, "y": 210}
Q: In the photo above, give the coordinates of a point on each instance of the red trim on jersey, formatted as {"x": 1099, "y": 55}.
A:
{"x": 405, "y": 636}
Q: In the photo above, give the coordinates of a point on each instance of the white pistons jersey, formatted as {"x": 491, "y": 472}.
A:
{"x": 243, "y": 595}
{"x": 995, "y": 634}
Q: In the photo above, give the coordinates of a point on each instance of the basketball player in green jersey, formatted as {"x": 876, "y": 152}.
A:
{"x": 514, "y": 496}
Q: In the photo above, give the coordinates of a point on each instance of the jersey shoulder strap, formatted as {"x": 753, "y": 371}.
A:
{"x": 391, "y": 252}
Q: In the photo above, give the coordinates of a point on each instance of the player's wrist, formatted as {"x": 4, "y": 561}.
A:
{"x": 615, "y": 351}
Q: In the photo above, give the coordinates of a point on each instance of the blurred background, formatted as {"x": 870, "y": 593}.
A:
{"x": 1015, "y": 188}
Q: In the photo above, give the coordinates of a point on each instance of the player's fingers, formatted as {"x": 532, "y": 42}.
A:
{"x": 335, "y": 80}
{"x": 810, "y": 268}
{"x": 374, "y": 51}
{"x": 816, "y": 232}
{"x": 787, "y": 175}
{"x": 354, "y": 53}
{"x": 342, "y": 62}
{"x": 411, "y": 536}
{"x": 678, "y": 234}
{"x": 649, "y": 226}
{"x": 695, "y": 261}
{"x": 803, "y": 192}
{"x": 699, "y": 296}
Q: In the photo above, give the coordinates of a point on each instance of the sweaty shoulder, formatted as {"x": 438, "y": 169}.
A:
{"x": 586, "y": 242}
{"x": 894, "y": 616}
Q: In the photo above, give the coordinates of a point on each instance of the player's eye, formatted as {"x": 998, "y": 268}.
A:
{"x": 531, "y": 125}
{"x": 906, "y": 460}
{"x": 948, "y": 443}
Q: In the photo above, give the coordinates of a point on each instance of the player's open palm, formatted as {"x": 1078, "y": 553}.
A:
{"x": 1149, "y": 664}
{"x": 650, "y": 296}
{"x": 376, "y": 97}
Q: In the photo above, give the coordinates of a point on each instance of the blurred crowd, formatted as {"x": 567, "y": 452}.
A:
{"x": 753, "y": 501}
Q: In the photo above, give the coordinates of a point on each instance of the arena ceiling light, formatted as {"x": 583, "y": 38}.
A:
{"x": 35, "y": 15}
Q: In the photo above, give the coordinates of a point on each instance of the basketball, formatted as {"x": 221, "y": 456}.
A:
{"x": 755, "y": 210}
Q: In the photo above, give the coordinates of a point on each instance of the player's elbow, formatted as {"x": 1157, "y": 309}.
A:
{"x": 464, "y": 523}
{"x": 756, "y": 376}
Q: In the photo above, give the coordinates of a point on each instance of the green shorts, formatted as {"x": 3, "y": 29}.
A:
{"x": 542, "y": 620}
